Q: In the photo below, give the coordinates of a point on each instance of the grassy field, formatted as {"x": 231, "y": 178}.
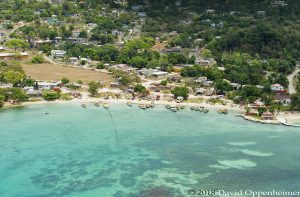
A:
{"x": 51, "y": 72}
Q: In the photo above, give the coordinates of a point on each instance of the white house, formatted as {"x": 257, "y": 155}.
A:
{"x": 123, "y": 67}
{"x": 6, "y": 85}
{"x": 210, "y": 11}
{"x": 73, "y": 60}
{"x": 204, "y": 62}
{"x": 142, "y": 14}
{"x": 76, "y": 40}
{"x": 277, "y": 87}
{"x": 92, "y": 25}
{"x": 236, "y": 86}
{"x": 208, "y": 83}
{"x": 75, "y": 33}
{"x": 200, "y": 80}
{"x": 58, "y": 53}
{"x": 48, "y": 85}
{"x": 173, "y": 33}
{"x": 159, "y": 74}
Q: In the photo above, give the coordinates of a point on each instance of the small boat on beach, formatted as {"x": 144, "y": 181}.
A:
{"x": 97, "y": 104}
{"x": 152, "y": 105}
{"x": 168, "y": 106}
{"x": 192, "y": 108}
{"x": 106, "y": 106}
{"x": 143, "y": 106}
{"x": 201, "y": 108}
{"x": 173, "y": 108}
{"x": 83, "y": 105}
{"x": 223, "y": 111}
{"x": 129, "y": 104}
{"x": 206, "y": 110}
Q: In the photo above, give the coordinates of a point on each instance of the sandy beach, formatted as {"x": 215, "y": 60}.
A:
{"x": 235, "y": 108}
{"x": 282, "y": 117}
{"x": 291, "y": 117}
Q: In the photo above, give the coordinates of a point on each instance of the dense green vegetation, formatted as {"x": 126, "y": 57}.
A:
{"x": 180, "y": 92}
{"x": 254, "y": 43}
{"x": 93, "y": 88}
{"x": 13, "y": 73}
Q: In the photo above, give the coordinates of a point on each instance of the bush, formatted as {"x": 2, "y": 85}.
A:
{"x": 16, "y": 94}
{"x": 66, "y": 96}
{"x": 93, "y": 88}
{"x": 100, "y": 66}
{"x": 83, "y": 62}
{"x": 139, "y": 88}
{"x": 2, "y": 97}
{"x": 50, "y": 95}
{"x": 37, "y": 59}
{"x": 180, "y": 91}
{"x": 65, "y": 80}
{"x": 164, "y": 82}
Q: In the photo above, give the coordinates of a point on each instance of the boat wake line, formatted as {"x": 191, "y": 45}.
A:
{"x": 115, "y": 127}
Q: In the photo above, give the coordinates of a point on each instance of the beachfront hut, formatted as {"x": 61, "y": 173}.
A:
{"x": 267, "y": 115}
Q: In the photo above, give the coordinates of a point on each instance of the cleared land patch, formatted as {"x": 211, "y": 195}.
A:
{"x": 52, "y": 72}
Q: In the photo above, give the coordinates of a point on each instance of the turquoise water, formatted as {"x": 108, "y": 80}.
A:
{"x": 126, "y": 152}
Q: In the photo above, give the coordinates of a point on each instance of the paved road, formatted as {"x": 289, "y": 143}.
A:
{"x": 292, "y": 88}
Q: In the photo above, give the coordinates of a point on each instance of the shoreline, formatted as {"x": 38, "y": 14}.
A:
{"x": 124, "y": 101}
{"x": 282, "y": 119}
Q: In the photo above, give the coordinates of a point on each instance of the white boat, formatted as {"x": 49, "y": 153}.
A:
{"x": 106, "y": 105}
{"x": 173, "y": 108}
{"x": 143, "y": 106}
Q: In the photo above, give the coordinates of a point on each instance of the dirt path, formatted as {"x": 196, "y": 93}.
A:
{"x": 292, "y": 88}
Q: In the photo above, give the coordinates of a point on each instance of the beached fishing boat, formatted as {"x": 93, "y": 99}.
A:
{"x": 206, "y": 110}
{"x": 152, "y": 105}
{"x": 173, "y": 108}
{"x": 201, "y": 108}
{"x": 179, "y": 99}
{"x": 97, "y": 104}
{"x": 106, "y": 106}
{"x": 196, "y": 108}
{"x": 223, "y": 111}
{"x": 143, "y": 106}
{"x": 129, "y": 104}
{"x": 192, "y": 108}
{"x": 168, "y": 106}
{"x": 83, "y": 105}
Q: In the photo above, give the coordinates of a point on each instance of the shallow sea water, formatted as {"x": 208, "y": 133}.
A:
{"x": 126, "y": 152}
